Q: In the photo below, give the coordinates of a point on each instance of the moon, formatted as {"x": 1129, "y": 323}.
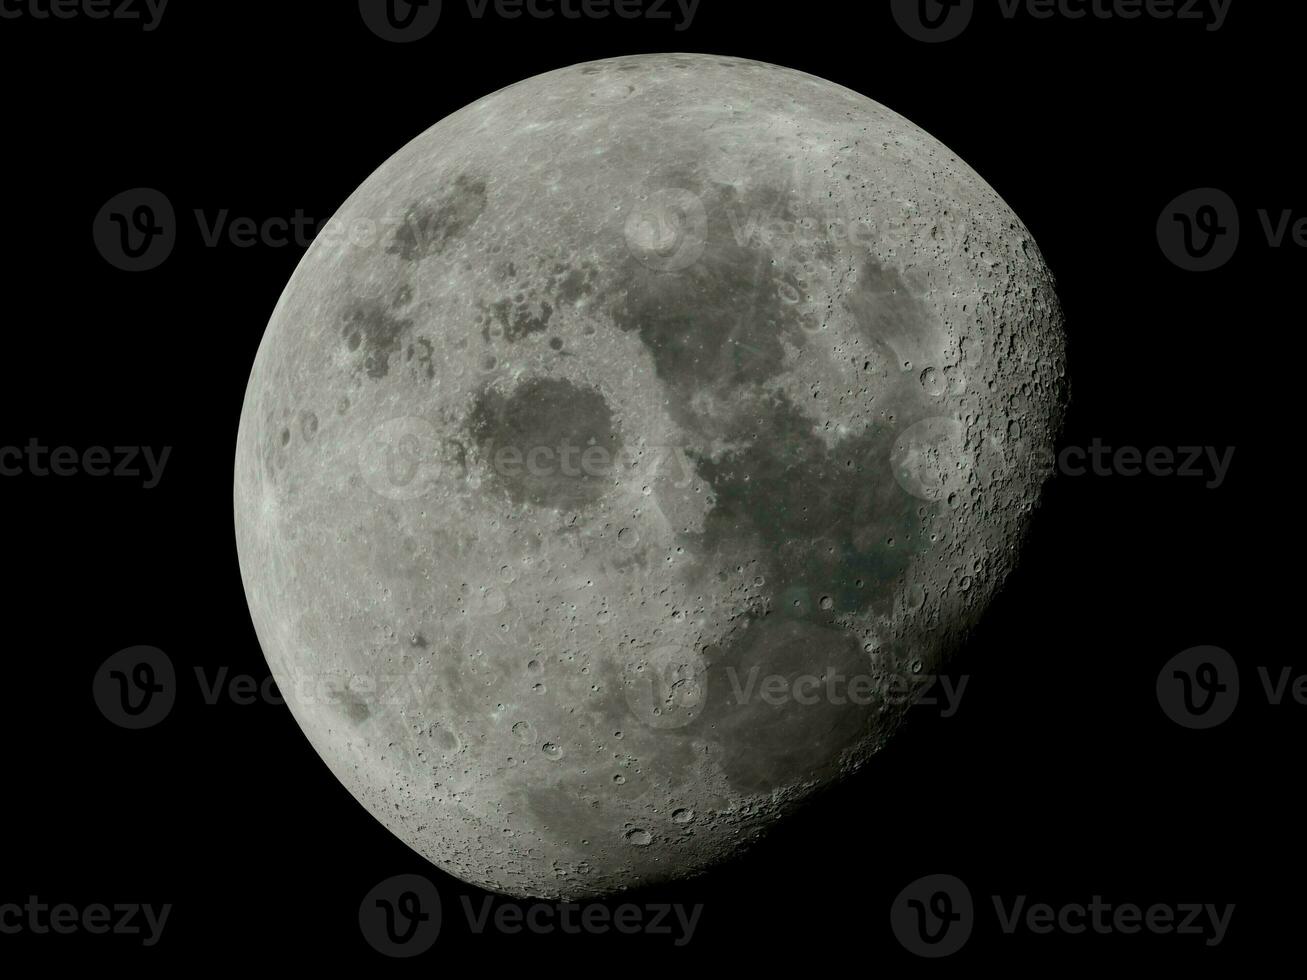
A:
{"x": 625, "y": 448}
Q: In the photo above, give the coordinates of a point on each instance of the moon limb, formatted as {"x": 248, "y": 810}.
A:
{"x": 662, "y": 393}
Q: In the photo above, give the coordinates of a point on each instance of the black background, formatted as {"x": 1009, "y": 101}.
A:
{"x": 1060, "y": 777}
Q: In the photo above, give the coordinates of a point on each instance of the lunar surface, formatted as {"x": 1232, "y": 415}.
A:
{"x": 625, "y": 449}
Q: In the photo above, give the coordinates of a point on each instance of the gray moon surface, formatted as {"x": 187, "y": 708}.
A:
{"x": 624, "y": 450}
